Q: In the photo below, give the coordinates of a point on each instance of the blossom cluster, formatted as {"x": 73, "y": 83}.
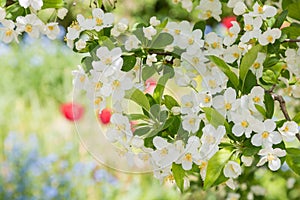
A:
{"x": 30, "y": 23}
{"x": 217, "y": 110}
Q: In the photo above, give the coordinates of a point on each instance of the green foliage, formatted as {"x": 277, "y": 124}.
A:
{"x": 293, "y": 10}
{"x": 128, "y": 63}
{"x": 247, "y": 62}
{"x": 293, "y": 159}
{"x": 138, "y": 97}
{"x": 179, "y": 175}
{"x": 215, "y": 168}
{"x": 161, "y": 41}
{"x": 53, "y": 4}
{"x": 170, "y": 102}
{"x": 226, "y": 69}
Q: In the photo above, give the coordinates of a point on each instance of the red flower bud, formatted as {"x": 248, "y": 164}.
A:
{"x": 72, "y": 111}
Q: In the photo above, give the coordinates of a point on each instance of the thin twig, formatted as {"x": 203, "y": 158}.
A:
{"x": 292, "y": 40}
{"x": 281, "y": 101}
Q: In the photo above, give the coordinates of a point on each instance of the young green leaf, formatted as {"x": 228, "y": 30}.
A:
{"x": 128, "y": 63}
{"x": 161, "y": 41}
{"x": 138, "y": 97}
{"x": 215, "y": 167}
{"x": 215, "y": 118}
{"x": 280, "y": 19}
{"x": 247, "y": 62}
{"x": 269, "y": 103}
{"x": 170, "y": 102}
{"x": 179, "y": 175}
{"x": 53, "y": 4}
{"x": 226, "y": 69}
{"x": 200, "y": 25}
{"x": 293, "y": 10}
{"x": 293, "y": 159}
{"x": 160, "y": 87}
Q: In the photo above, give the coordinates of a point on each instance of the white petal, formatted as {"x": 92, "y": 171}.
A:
{"x": 274, "y": 165}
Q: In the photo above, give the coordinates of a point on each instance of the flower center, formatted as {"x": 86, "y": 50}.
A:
{"x": 164, "y": 152}
{"x": 270, "y": 38}
{"x": 212, "y": 83}
{"x": 191, "y": 41}
{"x": 256, "y": 99}
{"x": 188, "y": 104}
{"x": 116, "y": 84}
{"x": 260, "y": 10}
{"x": 208, "y": 14}
{"x": 203, "y": 165}
{"x": 195, "y": 60}
{"x": 177, "y": 31}
{"x": 256, "y": 65}
{"x": 8, "y": 32}
{"x": 192, "y": 121}
{"x": 99, "y": 21}
{"x": 265, "y": 134}
{"x": 28, "y": 28}
{"x": 215, "y": 45}
{"x": 108, "y": 61}
{"x": 244, "y": 124}
{"x": 210, "y": 139}
{"x": 207, "y": 99}
{"x": 236, "y": 55}
{"x": 286, "y": 129}
{"x": 248, "y": 27}
{"x": 228, "y": 106}
{"x": 270, "y": 157}
{"x": 51, "y": 28}
{"x": 98, "y": 85}
{"x": 82, "y": 78}
{"x": 98, "y": 100}
{"x": 188, "y": 157}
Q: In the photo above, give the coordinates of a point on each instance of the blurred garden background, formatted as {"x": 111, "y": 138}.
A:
{"x": 41, "y": 155}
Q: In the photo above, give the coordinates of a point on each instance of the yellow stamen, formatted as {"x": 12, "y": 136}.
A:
{"x": 228, "y": 106}
{"x": 248, "y": 27}
{"x": 188, "y": 157}
{"x": 270, "y": 38}
{"x": 256, "y": 99}
{"x": 28, "y": 28}
{"x": 9, "y": 32}
{"x": 256, "y": 65}
{"x": 265, "y": 134}
{"x": 244, "y": 124}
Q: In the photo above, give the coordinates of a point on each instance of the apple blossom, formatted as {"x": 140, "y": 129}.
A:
{"x": 30, "y": 24}
{"x": 149, "y": 32}
{"x": 288, "y": 131}
{"x": 35, "y": 4}
{"x": 271, "y": 155}
{"x": 232, "y": 169}
{"x": 9, "y": 32}
{"x": 269, "y": 36}
{"x": 2, "y": 14}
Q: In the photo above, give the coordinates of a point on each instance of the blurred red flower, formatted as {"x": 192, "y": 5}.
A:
{"x": 226, "y": 21}
{"x": 105, "y": 115}
{"x": 72, "y": 111}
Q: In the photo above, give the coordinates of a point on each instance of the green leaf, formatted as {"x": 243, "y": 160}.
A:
{"x": 161, "y": 41}
{"x": 260, "y": 109}
{"x": 250, "y": 82}
{"x": 99, "y": 3}
{"x": 293, "y": 10}
{"x": 137, "y": 116}
{"x": 128, "y": 63}
{"x": 170, "y": 102}
{"x": 270, "y": 61}
{"x": 160, "y": 87}
{"x": 53, "y": 4}
{"x": 280, "y": 19}
{"x": 215, "y": 118}
{"x": 147, "y": 72}
{"x": 138, "y": 97}
{"x": 108, "y": 5}
{"x": 293, "y": 159}
{"x": 269, "y": 103}
{"x": 297, "y": 118}
{"x": 226, "y": 69}
{"x": 87, "y": 63}
{"x": 292, "y": 31}
{"x": 247, "y": 62}
{"x": 142, "y": 131}
{"x": 200, "y": 25}
{"x": 179, "y": 175}
{"x": 163, "y": 24}
{"x": 14, "y": 10}
{"x": 215, "y": 167}
{"x": 2, "y": 3}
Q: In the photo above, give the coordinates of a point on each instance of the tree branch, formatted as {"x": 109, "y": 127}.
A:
{"x": 292, "y": 40}
{"x": 281, "y": 101}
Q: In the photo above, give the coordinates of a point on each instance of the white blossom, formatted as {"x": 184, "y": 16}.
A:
{"x": 252, "y": 28}
{"x": 247, "y": 160}
{"x": 151, "y": 59}
{"x": 232, "y": 169}
{"x": 154, "y": 21}
{"x": 271, "y": 155}
{"x": 31, "y": 24}
{"x": 266, "y": 136}
{"x": 269, "y": 36}
{"x": 232, "y": 34}
{"x": 132, "y": 43}
{"x": 102, "y": 19}
{"x": 35, "y": 4}
{"x": 119, "y": 28}
{"x": 289, "y": 131}
{"x": 210, "y": 8}
{"x": 2, "y": 14}
{"x": 9, "y": 33}
{"x": 149, "y": 32}
{"x": 51, "y": 30}
{"x": 263, "y": 11}
{"x": 257, "y": 67}
{"x": 61, "y": 13}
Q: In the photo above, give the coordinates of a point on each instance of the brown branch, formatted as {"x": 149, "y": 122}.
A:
{"x": 292, "y": 40}
{"x": 282, "y": 104}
